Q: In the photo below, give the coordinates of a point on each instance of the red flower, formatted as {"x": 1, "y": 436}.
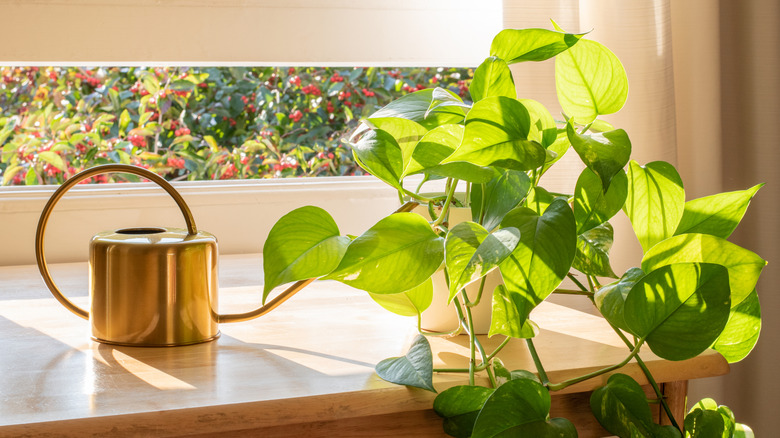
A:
{"x": 295, "y": 80}
{"x": 296, "y": 116}
{"x": 368, "y": 93}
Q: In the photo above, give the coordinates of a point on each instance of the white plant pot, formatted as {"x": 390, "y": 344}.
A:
{"x": 443, "y": 317}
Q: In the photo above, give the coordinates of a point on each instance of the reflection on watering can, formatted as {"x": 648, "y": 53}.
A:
{"x": 150, "y": 286}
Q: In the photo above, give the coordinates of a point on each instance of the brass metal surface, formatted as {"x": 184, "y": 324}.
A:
{"x": 153, "y": 287}
{"x": 150, "y": 286}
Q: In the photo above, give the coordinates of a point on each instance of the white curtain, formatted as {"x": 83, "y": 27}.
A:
{"x": 704, "y": 95}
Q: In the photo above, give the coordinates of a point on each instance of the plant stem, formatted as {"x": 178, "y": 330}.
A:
{"x": 565, "y": 383}
{"x": 419, "y": 197}
{"x": 479, "y": 294}
{"x": 499, "y": 348}
{"x": 424, "y": 333}
{"x": 446, "y": 208}
{"x": 649, "y": 377}
{"x": 537, "y": 362}
{"x": 472, "y": 346}
{"x": 577, "y": 282}
{"x": 572, "y": 292}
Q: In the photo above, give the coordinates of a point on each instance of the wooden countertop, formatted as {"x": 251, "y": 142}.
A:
{"x": 311, "y": 360}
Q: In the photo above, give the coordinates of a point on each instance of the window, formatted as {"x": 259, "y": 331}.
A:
{"x": 232, "y": 33}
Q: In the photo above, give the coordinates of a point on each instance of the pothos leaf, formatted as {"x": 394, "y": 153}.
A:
{"x": 304, "y": 243}
{"x": 459, "y": 406}
{"x": 414, "y": 369}
{"x": 520, "y": 408}
{"x": 592, "y": 256}
{"x": 409, "y": 303}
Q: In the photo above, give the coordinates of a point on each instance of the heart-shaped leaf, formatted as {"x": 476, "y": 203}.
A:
{"x": 438, "y": 144}
{"x": 543, "y": 130}
{"x": 405, "y": 132}
{"x": 592, "y": 205}
{"x": 605, "y": 153}
{"x": 718, "y": 214}
{"x": 414, "y": 369}
{"x": 509, "y": 315}
{"x": 459, "y": 406}
{"x": 501, "y": 194}
{"x": 542, "y": 257}
{"x": 520, "y": 408}
{"x": 708, "y": 420}
{"x": 442, "y": 98}
{"x": 518, "y": 45}
{"x": 492, "y": 78}
{"x": 409, "y": 303}
{"x": 470, "y": 252}
{"x": 621, "y": 407}
{"x": 590, "y": 81}
{"x": 304, "y": 243}
{"x": 592, "y": 255}
{"x": 398, "y": 253}
{"x": 414, "y": 106}
{"x": 744, "y": 266}
{"x": 497, "y": 135}
{"x": 558, "y": 149}
{"x": 742, "y": 330}
{"x": 655, "y": 201}
{"x": 680, "y": 309}
{"x": 379, "y": 154}
{"x": 611, "y": 299}
{"x": 538, "y": 200}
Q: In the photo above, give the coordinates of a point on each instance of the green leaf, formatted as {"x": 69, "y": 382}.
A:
{"x": 379, "y": 153}
{"x": 470, "y": 252}
{"x": 590, "y": 81}
{"x": 509, "y": 319}
{"x": 414, "y": 369}
{"x": 414, "y": 106}
{"x": 592, "y": 205}
{"x": 743, "y": 431}
{"x": 497, "y": 135}
{"x": 502, "y": 193}
{"x": 744, "y": 266}
{"x": 54, "y": 159}
{"x": 410, "y": 303}
{"x": 304, "y": 243}
{"x": 592, "y": 256}
{"x": 398, "y": 253}
{"x": 405, "y": 132}
{"x": 543, "y": 130}
{"x": 742, "y": 330}
{"x": 520, "y": 408}
{"x": 442, "y": 98}
{"x": 556, "y": 150}
{"x": 124, "y": 120}
{"x": 708, "y": 420}
{"x": 605, "y": 153}
{"x": 435, "y": 146}
{"x": 538, "y": 199}
{"x": 655, "y": 201}
{"x": 542, "y": 257}
{"x": 718, "y": 214}
{"x": 501, "y": 372}
{"x": 680, "y": 309}
{"x": 182, "y": 85}
{"x": 31, "y": 178}
{"x": 10, "y": 172}
{"x": 459, "y": 406}
{"x": 621, "y": 407}
{"x": 611, "y": 299}
{"x": 518, "y": 45}
{"x": 492, "y": 78}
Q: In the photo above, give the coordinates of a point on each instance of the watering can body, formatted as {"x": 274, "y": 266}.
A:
{"x": 153, "y": 286}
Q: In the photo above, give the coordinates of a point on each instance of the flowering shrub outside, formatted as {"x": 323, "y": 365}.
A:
{"x": 194, "y": 123}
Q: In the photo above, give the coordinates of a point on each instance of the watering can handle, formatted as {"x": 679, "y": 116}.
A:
{"x": 40, "y": 257}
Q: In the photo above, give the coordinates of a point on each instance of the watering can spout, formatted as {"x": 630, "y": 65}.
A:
{"x": 271, "y": 305}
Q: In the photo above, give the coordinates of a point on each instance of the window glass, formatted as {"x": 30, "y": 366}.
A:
{"x": 195, "y": 123}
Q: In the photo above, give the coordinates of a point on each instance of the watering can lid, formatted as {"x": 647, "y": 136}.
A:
{"x": 152, "y": 236}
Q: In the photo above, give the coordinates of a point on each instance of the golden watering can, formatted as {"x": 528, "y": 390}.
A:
{"x": 149, "y": 286}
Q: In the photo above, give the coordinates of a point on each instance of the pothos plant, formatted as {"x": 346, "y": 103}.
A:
{"x": 692, "y": 289}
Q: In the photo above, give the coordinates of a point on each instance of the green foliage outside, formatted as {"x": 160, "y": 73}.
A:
{"x": 194, "y": 123}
